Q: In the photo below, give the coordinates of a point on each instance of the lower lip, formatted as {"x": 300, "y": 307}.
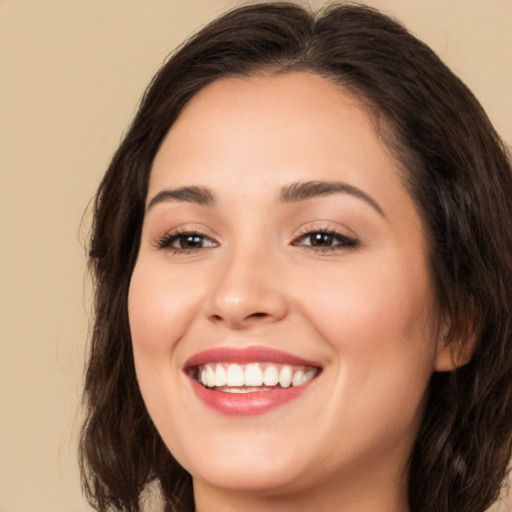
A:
{"x": 247, "y": 404}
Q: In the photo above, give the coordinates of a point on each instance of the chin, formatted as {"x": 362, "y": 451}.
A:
{"x": 266, "y": 480}
{"x": 251, "y": 463}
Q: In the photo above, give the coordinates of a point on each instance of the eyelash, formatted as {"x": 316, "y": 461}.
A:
{"x": 339, "y": 241}
{"x": 166, "y": 241}
{"x": 342, "y": 242}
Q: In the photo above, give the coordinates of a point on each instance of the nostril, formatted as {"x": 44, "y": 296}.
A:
{"x": 257, "y": 315}
{"x": 235, "y": 321}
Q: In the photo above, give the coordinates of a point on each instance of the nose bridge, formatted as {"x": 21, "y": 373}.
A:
{"x": 246, "y": 289}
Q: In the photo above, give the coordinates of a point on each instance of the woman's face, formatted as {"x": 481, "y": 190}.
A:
{"x": 280, "y": 245}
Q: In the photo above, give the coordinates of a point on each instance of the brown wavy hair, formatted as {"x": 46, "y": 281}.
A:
{"x": 458, "y": 173}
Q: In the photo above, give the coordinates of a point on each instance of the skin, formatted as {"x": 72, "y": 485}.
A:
{"x": 364, "y": 312}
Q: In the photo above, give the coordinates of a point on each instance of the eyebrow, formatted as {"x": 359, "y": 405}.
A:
{"x": 295, "y": 192}
{"x": 303, "y": 190}
{"x": 191, "y": 194}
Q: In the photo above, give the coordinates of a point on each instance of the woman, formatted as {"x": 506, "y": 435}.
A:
{"x": 303, "y": 262}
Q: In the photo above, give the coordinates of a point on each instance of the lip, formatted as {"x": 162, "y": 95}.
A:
{"x": 246, "y": 355}
{"x": 246, "y": 404}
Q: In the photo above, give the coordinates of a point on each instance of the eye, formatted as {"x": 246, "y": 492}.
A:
{"x": 325, "y": 240}
{"x": 186, "y": 242}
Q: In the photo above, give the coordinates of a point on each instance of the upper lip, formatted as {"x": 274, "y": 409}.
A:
{"x": 246, "y": 355}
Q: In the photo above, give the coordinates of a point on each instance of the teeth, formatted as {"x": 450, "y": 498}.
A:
{"x": 308, "y": 376}
{"x": 270, "y": 376}
{"x": 210, "y": 377}
{"x": 220, "y": 376}
{"x": 298, "y": 378}
{"x": 285, "y": 377}
{"x": 236, "y": 378}
{"x": 242, "y": 390}
{"x": 253, "y": 375}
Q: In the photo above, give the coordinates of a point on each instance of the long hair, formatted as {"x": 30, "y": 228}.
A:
{"x": 456, "y": 170}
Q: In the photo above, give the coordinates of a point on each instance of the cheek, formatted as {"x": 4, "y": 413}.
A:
{"x": 160, "y": 311}
{"x": 383, "y": 302}
{"x": 160, "y": 308}
{"x": 377, "y": 323}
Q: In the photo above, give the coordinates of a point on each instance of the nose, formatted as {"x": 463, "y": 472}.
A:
{"x": 246, "y": 292}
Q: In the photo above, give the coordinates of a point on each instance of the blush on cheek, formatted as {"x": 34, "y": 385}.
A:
{"x": 374, "y": 314}
{"x": 156, "y": 317}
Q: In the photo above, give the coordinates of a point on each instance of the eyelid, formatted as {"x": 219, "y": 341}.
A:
{"x": 346, "y": 238}
{"x": 165, "y": 238}
{"x": 167, "y": 241}
{"x": 325, "y": 225}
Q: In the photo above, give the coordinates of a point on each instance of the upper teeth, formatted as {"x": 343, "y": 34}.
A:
{"x": 253, "y": 375}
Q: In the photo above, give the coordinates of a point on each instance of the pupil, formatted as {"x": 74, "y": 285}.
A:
{"x": 321, "y": 239}
{"x": 192, "y": 241}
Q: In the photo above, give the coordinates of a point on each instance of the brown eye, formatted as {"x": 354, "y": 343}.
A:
{"x": 326, "y": 240}
{"x": 321, "y": 239}
{"x": 191, "y": 241}
{"x": 186, "y": 242}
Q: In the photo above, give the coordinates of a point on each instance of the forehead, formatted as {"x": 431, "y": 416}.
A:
{"x": 274, "y": 130}
{"x": 293, "y": 116}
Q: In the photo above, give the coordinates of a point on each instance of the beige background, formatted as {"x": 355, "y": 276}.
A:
{"x": 71, "y": 75}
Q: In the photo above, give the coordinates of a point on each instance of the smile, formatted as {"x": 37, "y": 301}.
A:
{"x": 248, "y": 378}
{"x": 248, "y": 381}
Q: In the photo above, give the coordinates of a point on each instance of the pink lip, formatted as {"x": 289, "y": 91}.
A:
{"x": 245, "y": 404}
{"x": 246, "y": 355}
